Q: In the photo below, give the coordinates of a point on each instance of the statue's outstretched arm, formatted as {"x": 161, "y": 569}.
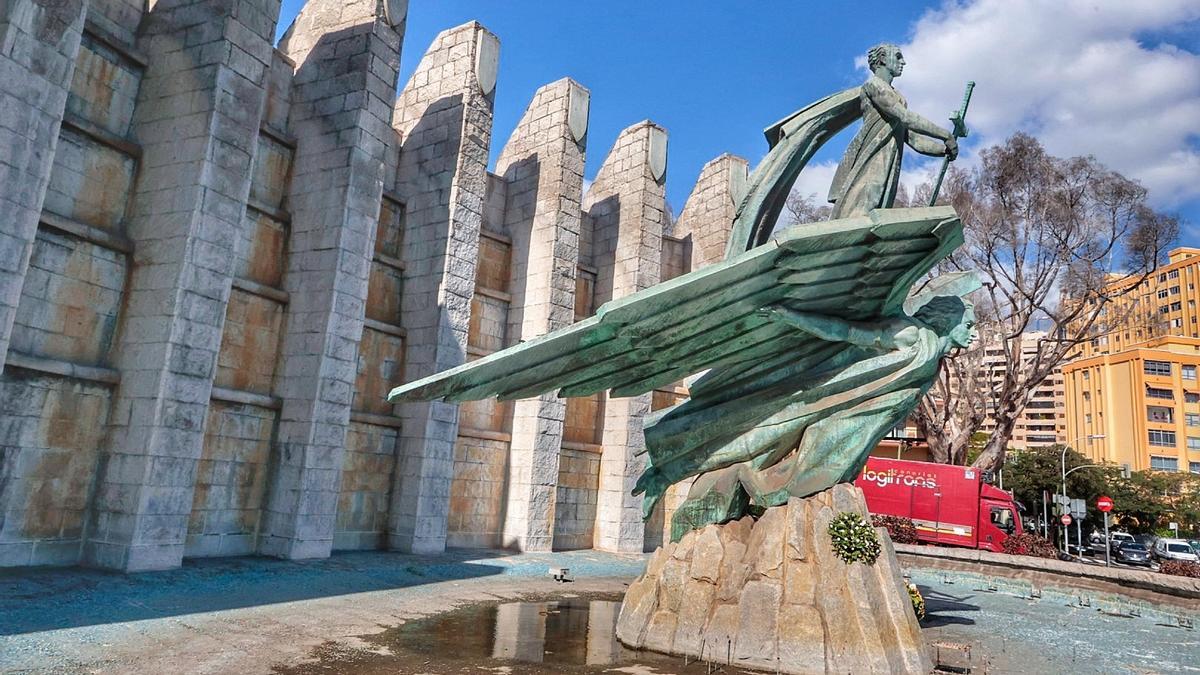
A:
{"x": 889, "y": 103}
{"x": 925, "y": 145}
{"x": 833, "y": 329}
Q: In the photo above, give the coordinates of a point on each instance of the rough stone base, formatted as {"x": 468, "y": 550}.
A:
{"x": 772, "y": 594}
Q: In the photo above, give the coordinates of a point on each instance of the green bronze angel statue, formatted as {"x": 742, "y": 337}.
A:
{"x": 810, "y": 343}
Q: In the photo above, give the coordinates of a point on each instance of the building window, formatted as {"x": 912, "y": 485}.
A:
{"x": 1176, "y": 323}
{"x": 1176, "y": 306}
{"x": 1163, "y": 293}
{"x": 1189, "y": 372}
{"x": 1159, "y": 463}
{"x": 1193, "y": 467}
{"x": 1157, "y": 368}
{"x": 1155, "y": 392}
{"x": 1189, "y": 397}
{"x": 1192, "y": 419}
{"x": 1162, "y": 439}
{"x": 1193, "y": 443}
{"x": 1087, "y": 375}
{"x": 1164, "y": 310}
{"x": 1173, "y": 274}
{"x": 1174, "y": 290}
{"x": 1160, "y": 414}
{"x": 1087, "y": 419}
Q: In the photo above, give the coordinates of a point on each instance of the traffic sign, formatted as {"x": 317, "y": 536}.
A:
{"x": 1079, "y": 509}
{"x": 1104, "y": 503}
{"x": 1066, "y": 519}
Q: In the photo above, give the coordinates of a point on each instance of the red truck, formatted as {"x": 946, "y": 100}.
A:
{"x": 950, "y": 505}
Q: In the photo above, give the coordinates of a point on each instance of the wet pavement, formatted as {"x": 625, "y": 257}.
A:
{"x": 496, "y": 612}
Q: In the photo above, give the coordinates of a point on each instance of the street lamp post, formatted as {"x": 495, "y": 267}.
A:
{"x": 1063, "y": 465}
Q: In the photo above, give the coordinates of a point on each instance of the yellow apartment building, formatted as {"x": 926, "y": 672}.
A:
{"x": 1164, "y": 304}
{"x": 1139, "y": 406}
{"x": 1043, "y": 422}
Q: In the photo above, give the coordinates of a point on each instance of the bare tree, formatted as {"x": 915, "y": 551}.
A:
{"x": 1048, "y": 236}
{"x": 804, "y": 208}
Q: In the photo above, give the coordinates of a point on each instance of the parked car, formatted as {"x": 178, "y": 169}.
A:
{"x": 1132, "y": 553}
{"x": 1174, "y": 549}
{"x": 1195, "y": 543}
{"x": 1117, "y": 538}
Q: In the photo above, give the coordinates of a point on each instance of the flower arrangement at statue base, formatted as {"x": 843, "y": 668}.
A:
{"x": 854, "y": 539}
{"x": 918, "y": 601}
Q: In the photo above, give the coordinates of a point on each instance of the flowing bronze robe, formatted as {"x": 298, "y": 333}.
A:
{"x": 869, "y": 173}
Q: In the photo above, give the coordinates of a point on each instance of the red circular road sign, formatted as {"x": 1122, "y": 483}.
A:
{"x": 1105, "y": 504}
{"x": 1066, "y": 519}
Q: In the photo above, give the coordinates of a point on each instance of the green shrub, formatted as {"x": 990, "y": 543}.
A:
{"x": 900, "y": 529}
{"x": 854, "y": 540}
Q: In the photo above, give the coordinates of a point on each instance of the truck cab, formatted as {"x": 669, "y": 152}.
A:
{"x": 998, "y": 517}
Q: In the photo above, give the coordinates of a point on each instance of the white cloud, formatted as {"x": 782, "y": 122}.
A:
{"x": 815, "y": 180}
{"x": 1077, "y": 74}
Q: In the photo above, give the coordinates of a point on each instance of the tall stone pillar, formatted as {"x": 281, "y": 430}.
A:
{"x": 707, "y": 215}
{"x": 542, "y": 165}
{"x": 39, "y": 42}
{"x": 444, "y": 120}
{"x": 706, "y": 219}
{"x": 626, "y": 206}
{"x": 346, "y": 56}
{"x": 197, "y": 121}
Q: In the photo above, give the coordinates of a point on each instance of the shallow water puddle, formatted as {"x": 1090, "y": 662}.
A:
{"x": 563, "y": 635}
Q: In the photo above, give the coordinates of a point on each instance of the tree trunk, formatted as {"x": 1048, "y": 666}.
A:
{"x": 939, "y": 448}
{"x": 992, "y": 457}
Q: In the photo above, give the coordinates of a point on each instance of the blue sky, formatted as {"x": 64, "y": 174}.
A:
{"x": 715, "y": 73}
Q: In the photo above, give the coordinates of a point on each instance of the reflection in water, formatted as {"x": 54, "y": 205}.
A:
{"x": 570, "y": 632}
{"x": 569, "y": 635}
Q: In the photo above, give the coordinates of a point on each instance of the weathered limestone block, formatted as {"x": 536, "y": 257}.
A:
{"x": 185, "y": 222}
{"x": 623, "y": 214}
{"x": 711, "y": 207}
{"x": 347, "y": 56}
{"x": 542, "y": 166}
{"x": 443, "y": 118}
{"x": 772, "y": 594}
{"x": 40, "y": 42}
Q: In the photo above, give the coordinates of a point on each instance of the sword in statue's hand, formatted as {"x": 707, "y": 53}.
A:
{"x": 959, "y": 120}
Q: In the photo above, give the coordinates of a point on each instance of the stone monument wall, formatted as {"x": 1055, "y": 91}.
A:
{"x": 218, "y": 255}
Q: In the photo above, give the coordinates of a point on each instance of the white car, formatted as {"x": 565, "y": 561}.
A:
{"x": 1117, "y": 538}
{"x": 1174, "y": 549}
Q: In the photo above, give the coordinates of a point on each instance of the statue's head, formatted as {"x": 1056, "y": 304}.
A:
{"x": 950, "y": 316}
{"x": 886, "y": 56}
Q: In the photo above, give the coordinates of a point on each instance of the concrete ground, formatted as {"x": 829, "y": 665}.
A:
{"x": 251, "y": 615}
{"x": 246, "y": 615}
{"x": 1008, "y": 633}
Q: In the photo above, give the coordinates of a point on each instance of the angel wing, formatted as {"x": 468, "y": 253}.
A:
{"x": 854, "y": 268}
